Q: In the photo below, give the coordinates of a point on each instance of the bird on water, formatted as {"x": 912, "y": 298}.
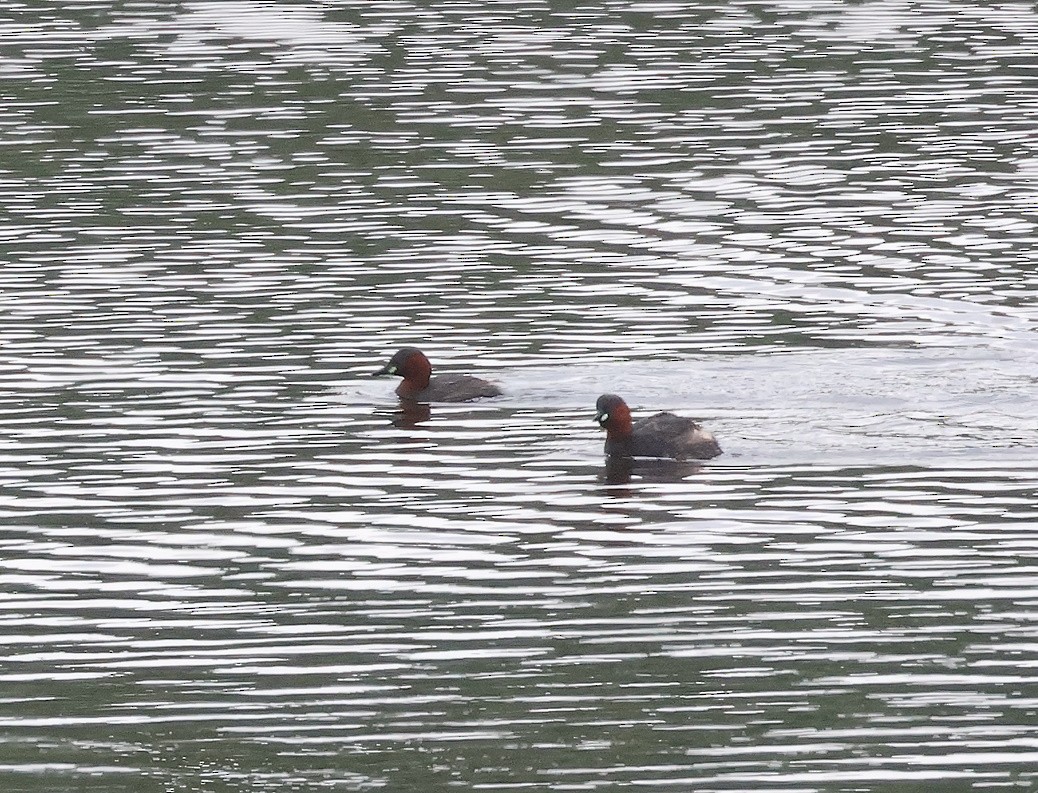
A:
{"x": 662, "y": 435}
{"x": 418, "y": 383}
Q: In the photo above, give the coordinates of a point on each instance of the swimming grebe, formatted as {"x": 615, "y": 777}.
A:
{"x": 662, "y": 435}
{"x": 418, "y": 384}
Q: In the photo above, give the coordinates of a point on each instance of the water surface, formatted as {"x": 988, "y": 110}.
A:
{"x": 231, "y": 561}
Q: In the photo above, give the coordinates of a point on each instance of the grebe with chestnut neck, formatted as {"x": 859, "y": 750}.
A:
{"x": 419, "y": 385}
{"x": 662, "y": 435}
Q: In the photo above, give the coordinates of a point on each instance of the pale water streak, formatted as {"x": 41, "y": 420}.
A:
{"x": 230, "y": 560}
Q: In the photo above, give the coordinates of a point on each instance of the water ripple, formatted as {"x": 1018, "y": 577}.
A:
{"x": 230, "y": 555}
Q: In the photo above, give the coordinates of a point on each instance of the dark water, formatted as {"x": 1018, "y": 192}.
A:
{"x": 230, "y": 561}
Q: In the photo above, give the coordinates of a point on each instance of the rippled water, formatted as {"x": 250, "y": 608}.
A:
{"x": 232, "y": 562}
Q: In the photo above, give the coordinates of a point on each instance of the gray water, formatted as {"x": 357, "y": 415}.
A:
{"x": 231, "y": 562}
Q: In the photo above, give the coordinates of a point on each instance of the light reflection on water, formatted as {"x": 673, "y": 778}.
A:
{"x": 229, "y": 555}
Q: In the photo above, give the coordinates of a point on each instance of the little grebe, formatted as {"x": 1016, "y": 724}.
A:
{"x": 662, "y": 435}
{"x": 418, "y": 384}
